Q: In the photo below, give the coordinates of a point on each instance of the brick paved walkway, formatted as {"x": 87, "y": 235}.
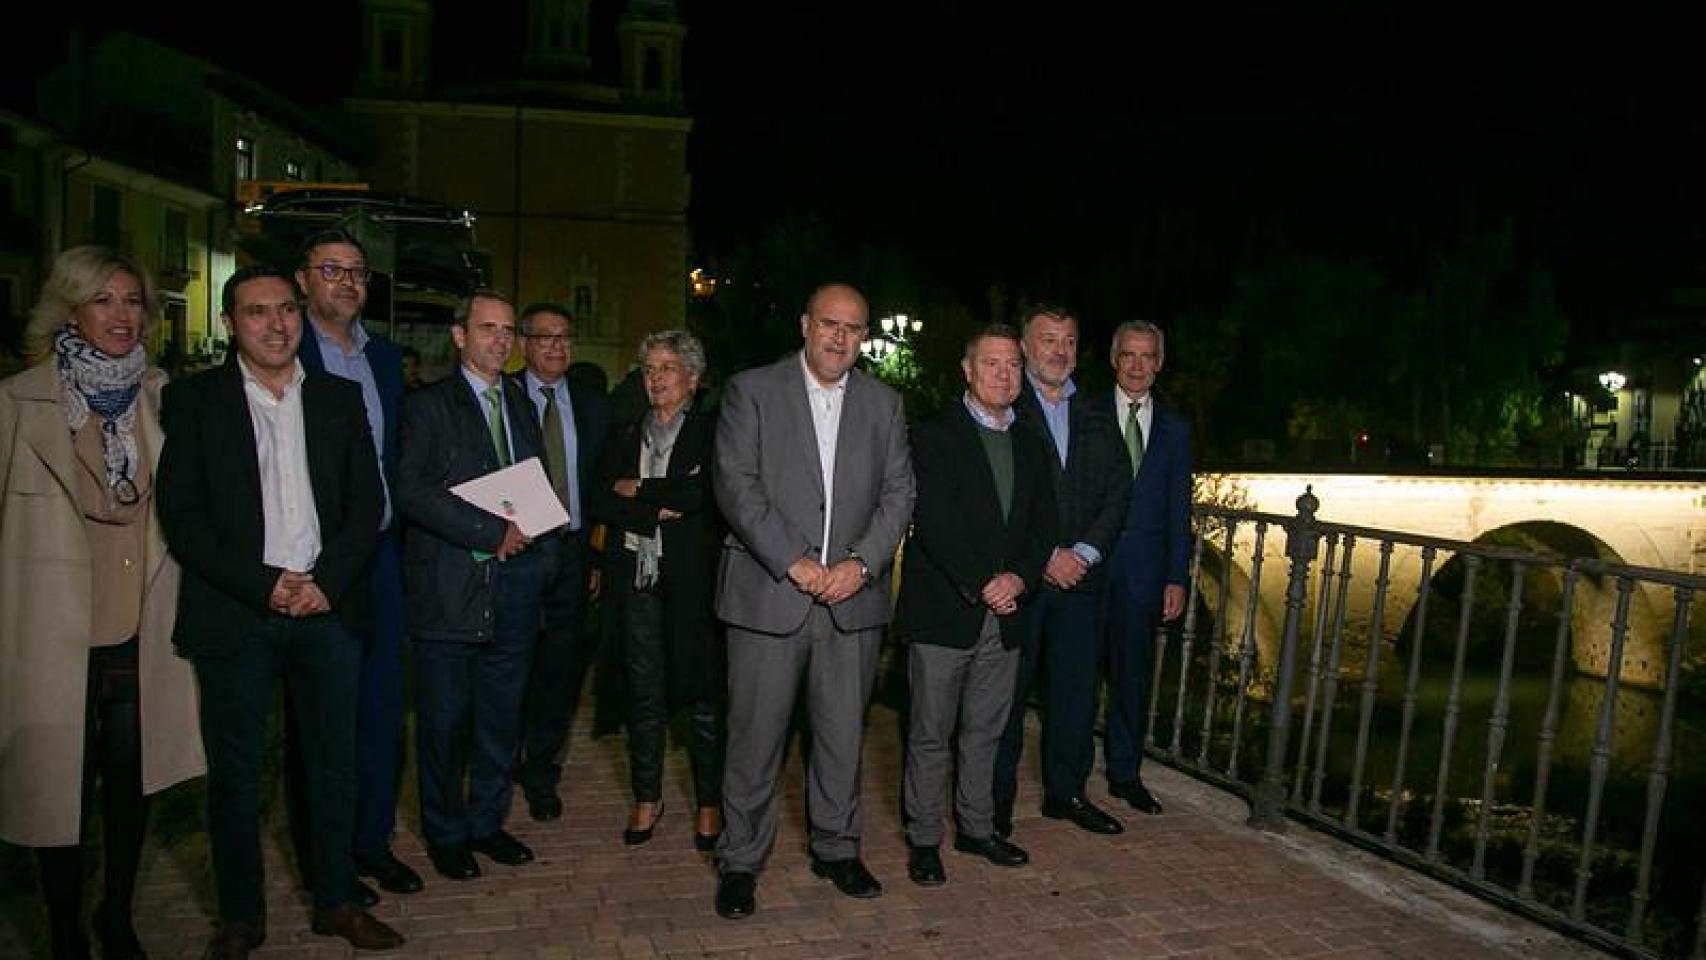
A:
{"x": 1194, "y": 882}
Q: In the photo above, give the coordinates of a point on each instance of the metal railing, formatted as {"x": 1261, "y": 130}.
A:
{"x": 1504, "y": 719}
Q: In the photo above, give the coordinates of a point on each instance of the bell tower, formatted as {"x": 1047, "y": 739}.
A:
{"x": 650, "y": 36}
{"x": 396, "y": 48}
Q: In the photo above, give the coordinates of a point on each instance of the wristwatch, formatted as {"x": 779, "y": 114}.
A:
{"x": 864, "y": 568}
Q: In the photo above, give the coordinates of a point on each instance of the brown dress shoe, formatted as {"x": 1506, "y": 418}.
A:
{"x": 234, "y": 939}
{"x": 362, "y": 929}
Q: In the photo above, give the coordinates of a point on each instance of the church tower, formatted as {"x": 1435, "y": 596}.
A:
{"x": 396, "y": 47}
{"x": 557, "y": 38}
{"x": 650, "y": 36}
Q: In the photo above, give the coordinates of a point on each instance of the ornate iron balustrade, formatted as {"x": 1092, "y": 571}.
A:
{"x": 1506, "y": 763}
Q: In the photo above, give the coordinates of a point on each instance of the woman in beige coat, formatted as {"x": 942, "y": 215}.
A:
{"x": 91, "y": 686}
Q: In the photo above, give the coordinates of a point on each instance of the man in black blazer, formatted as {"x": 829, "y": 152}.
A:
{"x": 473, "y": 583}
{"x": 983, "y": 529}
{"x": 1147, "y": 572}
{"x": 572, "y": 422}
{"x": 269, "y": 497}
{"x": 1092, "y": 482}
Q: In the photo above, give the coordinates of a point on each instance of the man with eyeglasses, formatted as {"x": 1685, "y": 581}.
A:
{"x": 815, "y": 480}
{"x": 333, "y": 273}
{"x": 571, "y": 420}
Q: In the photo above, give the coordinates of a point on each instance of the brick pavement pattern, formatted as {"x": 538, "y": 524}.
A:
{"x": 1189, "y": 883}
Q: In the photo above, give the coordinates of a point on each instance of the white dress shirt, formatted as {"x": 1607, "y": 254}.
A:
{"x": 1145, "y": 413}
{"x": 826, "y": 405}
{"x": 291, "y": 521}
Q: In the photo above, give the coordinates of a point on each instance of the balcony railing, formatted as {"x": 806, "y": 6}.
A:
{"x": 1514, "y": 722}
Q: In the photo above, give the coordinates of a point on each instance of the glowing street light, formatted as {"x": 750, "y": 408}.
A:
{"x": 896, "y": 330}
{"x": 1613, "y": 381}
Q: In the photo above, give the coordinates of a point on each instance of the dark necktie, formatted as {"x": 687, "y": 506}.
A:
{"x": 556, "y": 459}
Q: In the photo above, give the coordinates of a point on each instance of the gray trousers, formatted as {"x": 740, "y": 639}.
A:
{"x": 974, "y": 687}
{"x": 764, "y": 675}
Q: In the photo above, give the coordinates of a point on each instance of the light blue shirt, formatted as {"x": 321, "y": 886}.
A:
{"x": 354, "y": 366}
{"x": 479, "y": 387}
{"x": 571, "y": 441}
{"x": 1058, "y": 416}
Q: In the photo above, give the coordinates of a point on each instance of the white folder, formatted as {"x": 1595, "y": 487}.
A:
{"x": 519, "y": 493}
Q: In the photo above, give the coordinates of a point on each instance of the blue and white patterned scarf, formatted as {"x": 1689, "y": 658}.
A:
{"x": 91, "y": 381}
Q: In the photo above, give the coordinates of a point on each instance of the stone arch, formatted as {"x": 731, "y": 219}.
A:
{"x": 1591, "y": 612}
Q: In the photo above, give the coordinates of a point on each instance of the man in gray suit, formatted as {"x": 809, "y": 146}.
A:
{"x": 815, "y": 481}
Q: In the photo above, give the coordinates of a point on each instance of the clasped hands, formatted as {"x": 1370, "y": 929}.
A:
{"x": 297, "y": 595}
{"x": 1065, "y": 568}
{"x": 828, "y": 585}
{"x": 1001, "y": 593}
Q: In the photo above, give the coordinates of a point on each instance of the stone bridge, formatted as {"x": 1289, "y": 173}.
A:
{"x": 1658, "y": 523}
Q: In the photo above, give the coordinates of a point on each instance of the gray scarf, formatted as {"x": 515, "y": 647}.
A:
{"x": 658, "y": 439}
{"x": 92, "y": 382}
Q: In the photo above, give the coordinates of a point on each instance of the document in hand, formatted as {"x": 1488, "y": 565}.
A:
{"x": 520, "y": 493}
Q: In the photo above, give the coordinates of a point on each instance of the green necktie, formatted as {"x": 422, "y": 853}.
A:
{"x": 495, "y": 423}
{"x": 1134, "y": 437}
{"x": 556, "y": 459}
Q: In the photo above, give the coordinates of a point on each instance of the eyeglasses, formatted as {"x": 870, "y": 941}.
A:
{"x": 549, "y": 339}
{"x": 333, "y": 272}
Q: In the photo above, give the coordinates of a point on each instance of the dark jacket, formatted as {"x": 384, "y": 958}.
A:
{"x": 959, "y": 539}
{"x": 386, "y": 359}
{"x": 691, "y": 546}
{"x": 1094, "y": 487}
{"x": 1154, "y": 545}
{"x": 444, "y": 442}
{"x": 209, "y": 495}
{"x": 591, "y": 423}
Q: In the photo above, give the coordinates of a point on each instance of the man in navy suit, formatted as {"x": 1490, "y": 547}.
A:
{"x": 333, "y": 273}
{"x": 474, "y": 585}
{"x": 1146, "y": 574}
{"x": 571, "y": 419}
{"x": 269, "y": 497}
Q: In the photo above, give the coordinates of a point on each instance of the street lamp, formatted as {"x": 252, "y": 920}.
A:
{"x": 1613, "y": 381}
{"x": 896, "y": 330}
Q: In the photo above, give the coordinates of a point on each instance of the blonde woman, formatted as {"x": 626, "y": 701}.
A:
{"x": 92, "y": 687}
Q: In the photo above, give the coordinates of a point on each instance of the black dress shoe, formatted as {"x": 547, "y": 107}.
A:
{"x": 392, "y": 875}
{"x": 366, "y": 895}
{"x": 234, "y": 939}
{"x": 453, "y": 861}
{"x": 849, "y": 876}
{"x": 705, "y": 842}
{"x": 994, "y": 849}
{"x": 734, "y": 894}
{"x": 1136, "y": 794}
{"x": 924, "y": 867}
{"x": 502, "y": 848}
{"x": 363, "y": 930}
{"x": 544, "y": 807}
{"x": 1083, "y": 814}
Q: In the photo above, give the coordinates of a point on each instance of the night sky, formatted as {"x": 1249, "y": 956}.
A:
{"x": 1006, "y": 147}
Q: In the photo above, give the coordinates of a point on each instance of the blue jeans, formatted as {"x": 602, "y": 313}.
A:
{"x": 319, "y": 661}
